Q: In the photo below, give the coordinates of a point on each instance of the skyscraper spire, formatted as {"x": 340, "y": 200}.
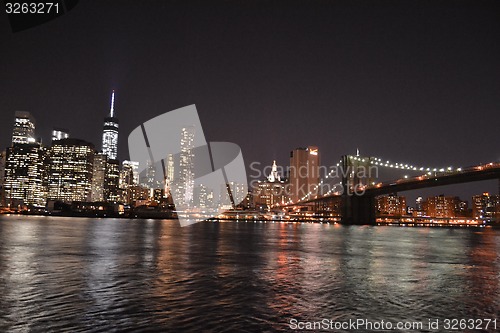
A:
{"x": 111, "y": 112}
{"x": 110, "y": 132}
{"x": 274, "y": 176}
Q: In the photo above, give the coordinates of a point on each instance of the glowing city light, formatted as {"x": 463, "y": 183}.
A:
{"x": 111, "y": 113}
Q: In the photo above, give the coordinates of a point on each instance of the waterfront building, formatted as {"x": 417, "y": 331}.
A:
{"x": 392, "y": 205}
{"x": 186, "y": 168}
{"x": 98, "y": 177}
{"x": 248, "y": 202}
{"x": 105, "y": 179}
{"x": 23, "y": 175}
{"x": 129, "y": 175}
{"x": 418, "y": 211}
{"x": 136, "y": 194}
{"x": 229, "y": 193}
{"x": 23, "y": 165}
{"x": 479, "y": 204}
{"x": 112, "y": 181}
{"x": 2, "y": 177}
{"x": 462, "y": 208}
{"x": 201, "y": 196}
{"x": 156, "y": 195}
{"x": 441, "y": 206}
{"x": 110, "y": 132}
{"x": 59, "y": 134}
{"x": 304, "y": 173}
{"x": 485, "y": 206}
{"x": 169, "y": 175}
{"x": 70, "y": 165}
{"x": 418, "y": 203}
{"x": 493, "y": 208}
{"x": 148, "y": 177}
{"x": 271, "y": 192}
{"x": 24, "y": 128}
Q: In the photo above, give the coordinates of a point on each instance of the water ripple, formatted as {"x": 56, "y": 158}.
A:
{"x": 107, "y": 275}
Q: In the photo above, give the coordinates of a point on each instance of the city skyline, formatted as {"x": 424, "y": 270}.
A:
{"x": 24, "y": 132}
{"x": 72, "y": 170}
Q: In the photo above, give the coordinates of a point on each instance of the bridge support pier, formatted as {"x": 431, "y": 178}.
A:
{"x": 358, "y": 210}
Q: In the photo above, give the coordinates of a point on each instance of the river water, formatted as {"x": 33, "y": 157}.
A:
{"x": 101, "y": 275}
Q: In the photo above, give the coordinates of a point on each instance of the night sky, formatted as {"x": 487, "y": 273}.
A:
{"x": 409, "y": 81}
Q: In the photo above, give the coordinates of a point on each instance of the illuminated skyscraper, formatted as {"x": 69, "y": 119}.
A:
{"x": 202, "y": 196}
{"x": 170, "y": 167}
{"x": 59, "y": 134}
{"x": 148, "y": 178}
{"x": 441, "y": 206}
{"x": 24, "y": 164}
{"x": 98, "y": 177}
{"x": 229, "y": 192}
{"x": 270, "y": 192}
{"x": 70, "y": 165}
{"x": 186, "y": 165}
{"x": 24, "y": 128}
{"x": 304, "y": 173}
{"x": 110, "y": 132}
{"x": 105, "y": 179}
{"x": 169, "y": 174}
{"x": 112, "y": 181}
{"x": 129, "y": 176}
{"x": 485, "y": 206}
{"x": 23, "y": 175}
{"x": 392, "y": 205}
{"x": 2, "y": 177}
{"x": 129, "y": 181}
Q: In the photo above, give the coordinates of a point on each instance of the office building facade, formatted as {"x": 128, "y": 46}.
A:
{"x": 24, "y": 128}
{"x": 23, "y": 175}
{"x": 304, "y": 173}
{"x": 59, "y": 134}
{"x": 70, "y": 166}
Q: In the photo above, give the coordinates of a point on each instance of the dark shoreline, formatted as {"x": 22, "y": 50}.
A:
{"x": 171, "y": 216}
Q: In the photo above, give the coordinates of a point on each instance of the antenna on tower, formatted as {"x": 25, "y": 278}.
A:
{"x": 112, "y": 104}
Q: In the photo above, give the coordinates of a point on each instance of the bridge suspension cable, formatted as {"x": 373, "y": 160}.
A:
{"x": 407, "y": 166}
{"x": 377, "y": 161}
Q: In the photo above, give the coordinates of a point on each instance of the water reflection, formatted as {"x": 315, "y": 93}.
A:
{"x": 96, "y": 275}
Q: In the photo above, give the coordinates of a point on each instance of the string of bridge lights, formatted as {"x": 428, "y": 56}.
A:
{"x": 396, "y": 165}
{"x": 403, "y": 166}
{"x": 383, "y": 163}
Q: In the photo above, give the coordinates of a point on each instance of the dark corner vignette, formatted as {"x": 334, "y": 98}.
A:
{"x": 27, "y": 14}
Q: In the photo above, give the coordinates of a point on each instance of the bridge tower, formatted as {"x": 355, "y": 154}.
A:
{"x": 357, "y": 173}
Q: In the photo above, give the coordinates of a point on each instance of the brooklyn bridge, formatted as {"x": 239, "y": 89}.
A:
{"x": 354, "y": 201}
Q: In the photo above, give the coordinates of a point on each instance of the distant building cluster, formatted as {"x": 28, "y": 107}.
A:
{"x": 301, "y": 182}
{"x": 484, "y": 206}
{"x": 68, "y": 170}
{"x": 71, "y": 171}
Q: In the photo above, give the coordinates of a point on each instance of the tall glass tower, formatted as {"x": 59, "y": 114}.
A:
{"x": 110, "y": 132}
{"x": 24, "y": 128}
{"x": 186, "y": 164}
{"x": 59, "y": 134}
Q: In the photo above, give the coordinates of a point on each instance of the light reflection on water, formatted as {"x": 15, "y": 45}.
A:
{"x": 64, "y": 274}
